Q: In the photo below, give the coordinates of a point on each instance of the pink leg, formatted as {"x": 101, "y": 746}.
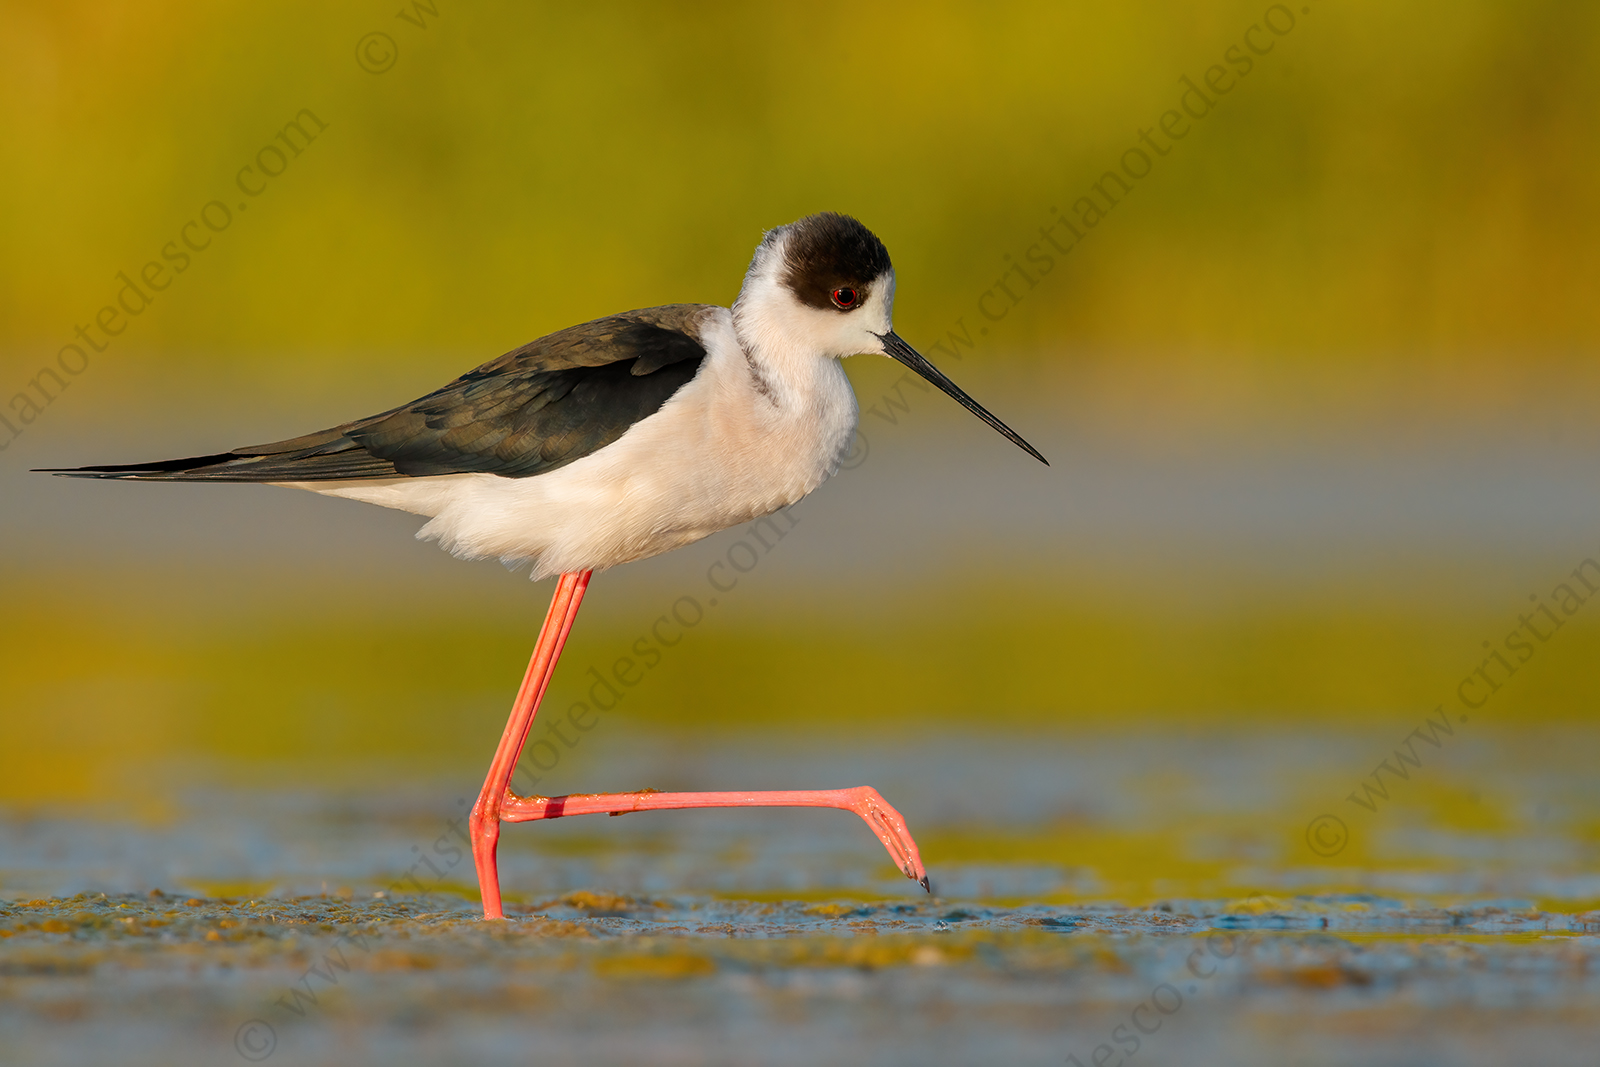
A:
{"x": 483, "y": 825}
{"x": 497, "y": 803}
{"x": 881, "y": 817}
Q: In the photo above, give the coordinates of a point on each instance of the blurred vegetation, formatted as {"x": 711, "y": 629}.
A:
{"x": 121, "y": 675}
{"x": 1395, "y": 188}
{"x": 1392, "y": 182}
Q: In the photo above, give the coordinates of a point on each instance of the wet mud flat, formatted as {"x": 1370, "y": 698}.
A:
{"x": 597, "y": 978}
{"x": 1117, "y": 901}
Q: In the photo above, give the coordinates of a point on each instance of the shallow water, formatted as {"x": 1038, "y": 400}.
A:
{"x": 1086, "y": 888}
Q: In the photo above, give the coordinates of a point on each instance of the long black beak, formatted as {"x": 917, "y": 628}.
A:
{"x": 894, "y": 346}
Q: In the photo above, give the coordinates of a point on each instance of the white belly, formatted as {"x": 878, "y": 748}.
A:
{"x": 722, "y": 451}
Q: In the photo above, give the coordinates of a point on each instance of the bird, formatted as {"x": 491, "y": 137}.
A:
{"x": 613, "y": 441}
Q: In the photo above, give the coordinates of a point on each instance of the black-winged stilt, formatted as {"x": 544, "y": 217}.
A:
{"x": 614, "y": 441}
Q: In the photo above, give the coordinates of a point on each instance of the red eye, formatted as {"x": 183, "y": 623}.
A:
{"x": 845, "y": 298}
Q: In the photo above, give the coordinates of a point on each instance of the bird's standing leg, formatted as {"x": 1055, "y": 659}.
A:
{"x": 484, "y": 824}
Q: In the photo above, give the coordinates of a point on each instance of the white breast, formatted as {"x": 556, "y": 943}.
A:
{"x": 746, "y": 436}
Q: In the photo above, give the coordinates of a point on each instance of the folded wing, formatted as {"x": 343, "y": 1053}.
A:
{"x": 540, "y": 407}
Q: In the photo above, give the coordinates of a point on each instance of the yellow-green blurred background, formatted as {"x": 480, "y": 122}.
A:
{"x": 1319, "y": 394}
{"x": 1406, "y": 181}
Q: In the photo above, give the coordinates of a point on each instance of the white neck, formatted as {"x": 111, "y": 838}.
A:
{"x": 794, "y": 347}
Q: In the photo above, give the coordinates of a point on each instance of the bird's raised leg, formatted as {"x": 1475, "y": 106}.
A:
{"x": 497, "y": 803}
{"x": 484, "y": 824}
{"x": 880, "y": 816}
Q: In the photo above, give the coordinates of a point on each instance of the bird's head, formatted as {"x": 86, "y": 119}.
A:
{"x": 824, "y": 286}
{"x": 824, "y": 283}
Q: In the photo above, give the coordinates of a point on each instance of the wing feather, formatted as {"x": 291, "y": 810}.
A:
{"x": 532, "y": 410}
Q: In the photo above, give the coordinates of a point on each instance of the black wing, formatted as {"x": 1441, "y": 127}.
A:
{"x": 542, "y": 406}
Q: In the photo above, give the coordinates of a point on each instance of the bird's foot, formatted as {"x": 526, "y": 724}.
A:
{"x": 890, "y": 826}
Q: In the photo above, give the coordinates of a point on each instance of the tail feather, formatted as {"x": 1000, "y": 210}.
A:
{"x": 326, "y": 456}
